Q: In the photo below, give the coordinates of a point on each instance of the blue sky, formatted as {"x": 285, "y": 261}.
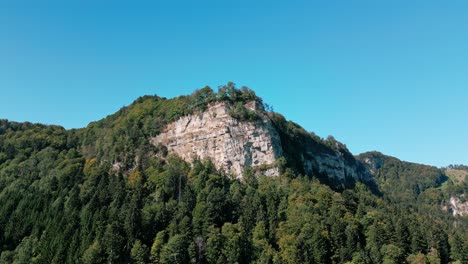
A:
{"x": 378, "y": 75}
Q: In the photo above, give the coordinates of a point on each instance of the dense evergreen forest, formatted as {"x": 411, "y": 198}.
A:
{"x": 64, "y": 200}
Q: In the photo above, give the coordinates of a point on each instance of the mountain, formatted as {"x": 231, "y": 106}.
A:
{"x": 231, "y": 128}
{"x": 266, "y": 144}
{"x": 217, "y": 177}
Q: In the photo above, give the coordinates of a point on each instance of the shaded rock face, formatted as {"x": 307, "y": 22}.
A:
{"x": 335, "y": 163}
{"x": 336, "y": 166}
{"x": 231, "y": 144}
{"x": 374, "y": 163}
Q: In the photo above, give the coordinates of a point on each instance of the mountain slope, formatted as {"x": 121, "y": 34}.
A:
{"x": 105, "y": 194}
{"x": 400, "y": 179}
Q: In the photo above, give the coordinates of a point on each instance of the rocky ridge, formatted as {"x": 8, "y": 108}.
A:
{"x": 234, "y": 145}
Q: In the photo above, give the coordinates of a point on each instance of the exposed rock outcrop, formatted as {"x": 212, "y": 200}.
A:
{"x": 336, "y": 166}
{"x": 374, "y": 162}
{"x": 231, "y": 144}
{"x": 457, "y": 207}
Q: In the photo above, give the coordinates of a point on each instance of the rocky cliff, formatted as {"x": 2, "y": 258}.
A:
{"x": 233, "y": 145}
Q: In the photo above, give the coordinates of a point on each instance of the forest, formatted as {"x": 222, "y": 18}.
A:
{"x": 62, "y": 200}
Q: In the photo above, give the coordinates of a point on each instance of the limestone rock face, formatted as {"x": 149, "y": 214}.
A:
{"x": 457, "y": 207}
{"x": 231, "y": 144}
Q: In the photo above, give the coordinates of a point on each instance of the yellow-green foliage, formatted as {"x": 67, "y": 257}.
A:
{"x": 90, "y": 166}
{"x": 135, "y": 178}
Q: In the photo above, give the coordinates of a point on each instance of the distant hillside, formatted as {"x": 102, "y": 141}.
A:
{"x": 400, "y": 179}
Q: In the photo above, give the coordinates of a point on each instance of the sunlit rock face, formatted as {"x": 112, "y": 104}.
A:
{"x": 231, "y": 144}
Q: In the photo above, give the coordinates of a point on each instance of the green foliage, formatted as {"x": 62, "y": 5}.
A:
{"x": 93, "y": 254}
{"x": 175, "y": 251}
{"x": 139, "y": 253}
{"x": 240, "y": 112}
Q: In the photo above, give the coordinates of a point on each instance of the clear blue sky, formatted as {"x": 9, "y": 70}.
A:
{"x": 390, "y": 76}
